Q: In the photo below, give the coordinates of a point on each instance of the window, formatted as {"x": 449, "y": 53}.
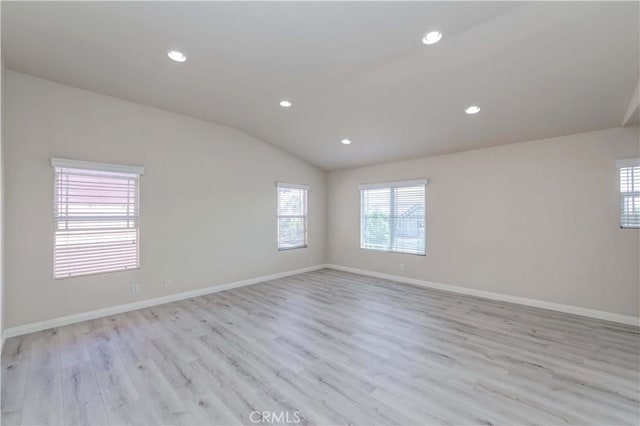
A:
{"x": 292, "y": 216}
{"x": 392, "y": 217}
{"x": 96, "y": 212}
{"x": 629, "y": 192}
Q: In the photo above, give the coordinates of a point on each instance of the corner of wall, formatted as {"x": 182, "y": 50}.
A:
{"x": 327, "y": 216}
{"x": 2, "y": 111}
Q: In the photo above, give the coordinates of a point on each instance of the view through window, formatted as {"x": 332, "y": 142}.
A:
{"x": 96, "y": 213}
{"x": 393, "y": 217}
{"x": 292, "y": 216}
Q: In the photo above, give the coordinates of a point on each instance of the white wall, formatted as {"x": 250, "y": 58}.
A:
{"x": 208, "y": 200}
{"x": 2, "y": 110}
{"x": 536, "y": 219}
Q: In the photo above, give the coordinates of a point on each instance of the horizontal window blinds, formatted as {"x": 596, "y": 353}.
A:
{"x": 96, "y": 215}
{"x": 629, "y": 193}
{"x": 393, "y": 217}
{"x": 292, "y": 216}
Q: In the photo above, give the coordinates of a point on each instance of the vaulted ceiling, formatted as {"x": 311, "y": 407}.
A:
{"x": 355, "y": 70}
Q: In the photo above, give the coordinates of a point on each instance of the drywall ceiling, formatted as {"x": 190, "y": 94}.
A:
{"x": 354, "y": 70}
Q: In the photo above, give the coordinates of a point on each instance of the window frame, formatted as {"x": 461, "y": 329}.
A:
{"x": 61, "y": 163}
{"x": 392, "y": 186}
{"x": 305, "y": 216}
{"x": 620, "y": 165}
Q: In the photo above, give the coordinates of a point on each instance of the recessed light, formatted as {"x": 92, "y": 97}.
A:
{"x": 285, "y": 104}
{"x": 432, "y": 37}
{"x": 176, "y": 56}
{"x": 473, "y": 109}
{"x": 345, "y": 142}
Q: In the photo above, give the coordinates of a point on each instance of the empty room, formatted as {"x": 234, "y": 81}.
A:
{"x": 320, "y": 213}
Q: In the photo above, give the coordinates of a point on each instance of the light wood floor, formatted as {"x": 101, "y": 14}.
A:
{"x": 326, "y": 347}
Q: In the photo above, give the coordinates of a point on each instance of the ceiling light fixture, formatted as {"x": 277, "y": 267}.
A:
{"x": 285, "y": 104}
{"x": 346, "y": 142}
{"x": 176, "y": 56}
{"x": 473, "y": 109}
{"x": 432, "y": 37}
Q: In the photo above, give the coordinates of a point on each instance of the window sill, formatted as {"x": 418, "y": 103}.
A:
{"x": 394, "y": 252}
{"x": 115, "y": 271}
{"x": 291, "y": 248}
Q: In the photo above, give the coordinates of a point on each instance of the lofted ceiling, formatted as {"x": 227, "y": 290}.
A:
{"x": 355, "y": 70}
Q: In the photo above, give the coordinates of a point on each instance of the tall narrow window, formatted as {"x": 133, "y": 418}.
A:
{"x": 96, "y": 215}
{"x": 292, "y": 216}
{"x": 392, "y": 216}
{"x": 629, "y": 192}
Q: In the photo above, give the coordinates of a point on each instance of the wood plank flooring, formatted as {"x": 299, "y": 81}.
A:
{"x": 326, "y": 347}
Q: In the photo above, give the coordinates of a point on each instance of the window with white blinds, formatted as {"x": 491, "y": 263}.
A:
{"x": 629, "y": 192}
{"x": 292, "y": 216}
{"x": 392, "y": 217}
{"x": 96, "y": 215}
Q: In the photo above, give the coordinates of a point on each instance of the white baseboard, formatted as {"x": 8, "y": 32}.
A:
{"x": 71, "y": 319}
{"x": 112, "y": 310}
{"x": 592, "y": 313}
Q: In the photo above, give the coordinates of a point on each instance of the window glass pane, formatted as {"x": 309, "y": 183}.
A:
{"x": 96, "y": 222}
{"x": 292, "y": 217}
{"x": 376, "y": 219}
{"x": 393, "y": 219}
{"x": 630, "y": 197}
{"x": 630, "y": 211}
{"x": 291, "y": 201}
{"x": 291, "y": 232}
{"x": 409, "y": 220}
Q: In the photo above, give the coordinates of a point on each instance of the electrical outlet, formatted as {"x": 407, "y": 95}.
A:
{"x": 402, "y": 267}
{"x": 167, "y": 283}
{"x": 135, "y": 288}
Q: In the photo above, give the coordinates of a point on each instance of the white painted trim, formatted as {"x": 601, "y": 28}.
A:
{"x": 628, "y": 162}
{"x": 293, "y": 185}
{"x": 90, "y": 165}
{"x": 398, "y": 184}
{"x": 112, "y": 310}
{"x": 85, "y": 316}
{"x": 576, "y": 310}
